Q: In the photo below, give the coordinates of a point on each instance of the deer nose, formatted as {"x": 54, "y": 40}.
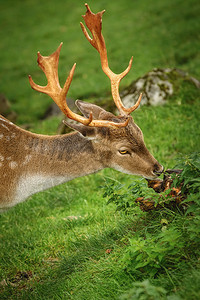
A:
{"x": 158, "y": 169}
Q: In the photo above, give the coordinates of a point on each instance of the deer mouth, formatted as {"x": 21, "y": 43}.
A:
{"x": 155, "y": 174}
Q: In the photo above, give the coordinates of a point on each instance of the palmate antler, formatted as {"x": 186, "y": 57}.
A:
{"x": 49, "y": 65}
{"x": 94, "y": 24}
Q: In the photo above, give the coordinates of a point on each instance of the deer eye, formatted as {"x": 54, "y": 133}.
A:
{"x": 124, "y": 152}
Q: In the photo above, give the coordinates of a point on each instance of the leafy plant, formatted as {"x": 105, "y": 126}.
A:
{"x": 174, "y": 241}
{"x": 149, "y": 254}
{"x": 121, "y": 196}
{"x": 124, "y": 197}
{"x": 144, "y": 291}
{"x": 190, "y": 180}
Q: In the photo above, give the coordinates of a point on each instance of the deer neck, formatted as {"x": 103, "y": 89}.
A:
{"x": 46, "y": 161}
{"x": 68, "y": 156}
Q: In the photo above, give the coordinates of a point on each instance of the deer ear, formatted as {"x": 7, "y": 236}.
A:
{"x": 86, "y": 131}
{"x": 87, "y": 108}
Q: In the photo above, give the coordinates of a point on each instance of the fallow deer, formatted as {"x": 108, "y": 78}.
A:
{"x": 30, "y": 162}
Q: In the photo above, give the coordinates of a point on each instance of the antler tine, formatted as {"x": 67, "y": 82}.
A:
{"x": 49, "y": 65}
{"x": 94, "y": 24}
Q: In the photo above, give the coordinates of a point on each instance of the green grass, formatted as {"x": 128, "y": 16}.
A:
{"x": 156, "y": 33}
{"x": 54, "y": 246}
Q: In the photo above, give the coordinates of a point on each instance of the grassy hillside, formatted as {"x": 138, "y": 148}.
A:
{"x": 67, "y": 243}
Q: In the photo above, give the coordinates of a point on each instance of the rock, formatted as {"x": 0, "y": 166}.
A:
{"x": 5, "y": 109}
{"x": 54, "y": 110}
{"x": 156, "y": 86}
